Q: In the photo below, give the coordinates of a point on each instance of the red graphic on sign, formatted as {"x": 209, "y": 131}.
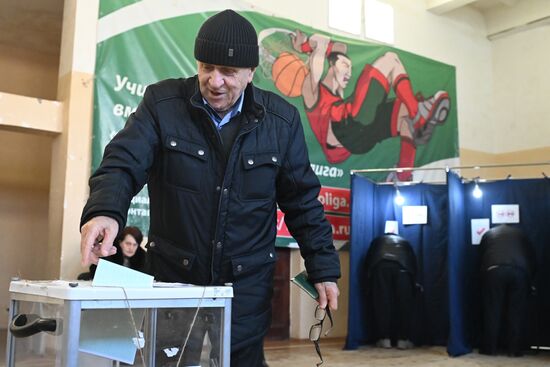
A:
{"x": 340, "y": 226}
{"x": 335, "y": 199}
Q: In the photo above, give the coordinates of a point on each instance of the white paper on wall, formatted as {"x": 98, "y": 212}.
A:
{"x": 508, "y": 213}
{"x": 415, "y": 214}
{"x": 479, "y": 227}
{"x": 391, "y": 227}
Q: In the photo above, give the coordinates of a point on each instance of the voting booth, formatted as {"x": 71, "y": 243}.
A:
{"x": 444, "y": 224}
{"x": 61, "y": 323}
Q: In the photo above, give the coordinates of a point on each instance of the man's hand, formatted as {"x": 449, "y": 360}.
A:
{"x": 328, "y": 294}
{"x": 96, "y": 239}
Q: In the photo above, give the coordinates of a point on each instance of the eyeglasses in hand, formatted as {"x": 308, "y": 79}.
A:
{"x": 317, "y": 328}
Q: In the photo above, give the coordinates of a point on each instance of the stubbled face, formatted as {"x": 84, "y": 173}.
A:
{"x": 129, "y": 246}
{"x": 342, "y": 70}
{"x": 221, "y": 86}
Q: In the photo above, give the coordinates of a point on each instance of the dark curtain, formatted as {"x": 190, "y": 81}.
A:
{"x": 533, "y": 198}
{"x": 362, "y": 228}
{"x": 461, "y": 270}
{"x": 371, "y": 206}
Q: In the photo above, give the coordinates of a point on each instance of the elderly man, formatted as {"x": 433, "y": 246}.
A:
{"x": 218, "y": 155}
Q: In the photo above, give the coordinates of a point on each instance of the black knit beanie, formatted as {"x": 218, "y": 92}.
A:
{"x": 227, "y": 39}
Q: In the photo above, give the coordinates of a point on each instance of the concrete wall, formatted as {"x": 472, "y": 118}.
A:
{"x": 24, "y": 188}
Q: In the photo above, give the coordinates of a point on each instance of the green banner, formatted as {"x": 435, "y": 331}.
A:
{"x": 359, "y": 106}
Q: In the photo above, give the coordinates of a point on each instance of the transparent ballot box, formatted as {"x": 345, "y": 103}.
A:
{"x": 73, "y": 324}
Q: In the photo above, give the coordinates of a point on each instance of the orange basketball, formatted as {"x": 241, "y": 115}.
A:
{"x": 288, "y": 73}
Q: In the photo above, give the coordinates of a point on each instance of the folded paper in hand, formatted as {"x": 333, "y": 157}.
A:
{"x": 302, "y": 281}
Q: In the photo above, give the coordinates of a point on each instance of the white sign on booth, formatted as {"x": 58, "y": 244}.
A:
{"x": 391, "y": 227}
{"x": 479, "y": 227}
{"x": 508, "y": 213}
{"x": 415, "y": 214}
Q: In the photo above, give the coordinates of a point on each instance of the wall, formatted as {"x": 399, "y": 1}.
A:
{"x": 526, "y": 161}
{"x": 26, "y": 69}
{"x": 24, "y": 172}
{"x": 302, "y": 307}
{"x": 24, "y": 161}
{"x": 24, "y": 187}
{"x": 28, "y": 73}
{"x": 521, "y": 91}
{"x": 519, "y": 108}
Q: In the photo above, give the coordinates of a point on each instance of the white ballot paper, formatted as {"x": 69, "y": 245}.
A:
{"x": 111, "y": 333}
{"x": 109, "y": 274}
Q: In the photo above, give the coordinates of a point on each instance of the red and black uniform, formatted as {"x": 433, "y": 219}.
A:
{"x": 359, "y": 122}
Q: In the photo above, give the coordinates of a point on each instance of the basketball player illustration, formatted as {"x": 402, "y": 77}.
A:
{"x": 354, "y": 125}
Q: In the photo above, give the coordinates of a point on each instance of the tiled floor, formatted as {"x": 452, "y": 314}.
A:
{"x": 298, "y": 353}
{"x": 302, "y": 354}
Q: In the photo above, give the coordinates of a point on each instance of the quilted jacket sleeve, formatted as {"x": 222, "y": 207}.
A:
{"x": 297, "y": 190}
{"x": 124, "y": 168}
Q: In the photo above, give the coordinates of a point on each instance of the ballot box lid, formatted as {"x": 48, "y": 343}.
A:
{"x": 83, "y": 290}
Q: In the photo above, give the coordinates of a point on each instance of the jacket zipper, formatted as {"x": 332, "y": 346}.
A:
{"x": 231, "y": 154}
{"x": 218, "y": 137}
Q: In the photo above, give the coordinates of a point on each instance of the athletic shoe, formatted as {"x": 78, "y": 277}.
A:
{"x": 404, "y": 344}
{"x": 431, "y": 112}
{"x": 384, "y": 343}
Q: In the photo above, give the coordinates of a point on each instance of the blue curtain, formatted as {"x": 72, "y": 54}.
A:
{"x": 362, "y": 225}
{"x": 533, "y": 198}
{"x": 458, "y": 272}
{"x": 371, "y": 206}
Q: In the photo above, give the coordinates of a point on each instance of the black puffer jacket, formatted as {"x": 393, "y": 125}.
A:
{"x": 213, "y": 216}
{"x": 507, "y": 245}
{"x": 391, "y": 247}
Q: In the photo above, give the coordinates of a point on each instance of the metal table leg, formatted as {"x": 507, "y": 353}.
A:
{"x": 10, "y": 346}
{"x": 71, "y": 333}
{"x": 151, "y": 335}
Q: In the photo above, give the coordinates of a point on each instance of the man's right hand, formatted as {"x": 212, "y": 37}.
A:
{"x": 96, "y": 239}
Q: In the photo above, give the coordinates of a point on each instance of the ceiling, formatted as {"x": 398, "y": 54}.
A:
{"x": 444, "y": 6}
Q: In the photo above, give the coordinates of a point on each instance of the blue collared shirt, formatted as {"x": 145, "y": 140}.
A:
{"x": 219, "y": 121}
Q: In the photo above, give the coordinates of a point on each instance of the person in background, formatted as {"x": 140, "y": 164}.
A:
{"x": 219, "y": 155}
{"x": 508, "y": 266}
{"x": 391, "y": 273}
{"x": 128, "y": 252}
